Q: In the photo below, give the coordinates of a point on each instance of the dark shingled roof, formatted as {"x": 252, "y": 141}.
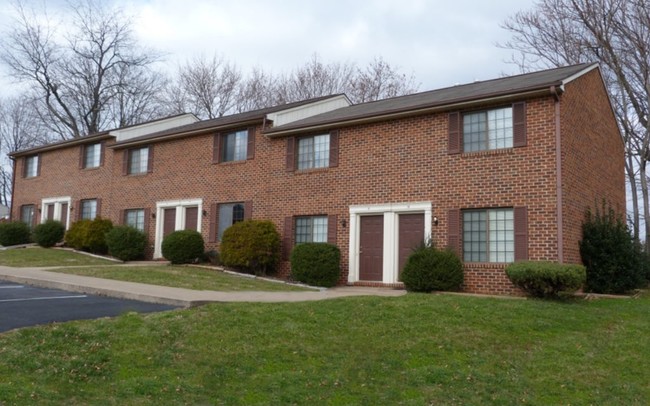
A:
{"x": 473, "y": 91}
{"x": 220, "y": 122}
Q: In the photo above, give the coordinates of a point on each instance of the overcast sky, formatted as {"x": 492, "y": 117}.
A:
{"x": 441, "y": 43}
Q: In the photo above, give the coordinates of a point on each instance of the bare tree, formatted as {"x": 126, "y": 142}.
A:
{"x": 615, "y": 33}
{"x": 77, "y": 77}
{"x": 379, "y": 80}
{"x": 208, "y": 87}
{"x": 257, "y": 91}
{"x": 315, "y": 79}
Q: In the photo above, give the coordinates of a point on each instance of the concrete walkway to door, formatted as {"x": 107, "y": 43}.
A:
{"x": 40, "y": 277}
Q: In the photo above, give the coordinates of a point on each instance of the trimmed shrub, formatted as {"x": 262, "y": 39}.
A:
{"x": 546, "y": 279}
{"x": 428, "y": 269}
{"x": 316, "y": 264}
{"x": 49, "y": 233}
{"x": 126, "y": 243}
{"x": 252, "y": 245}
{"x": 183, "y": 247}
{"x": 613, "y": 261}
{"x": 14, "y": 233}
{"x": 95, "y": 238}
{"x": 76, "y": 234}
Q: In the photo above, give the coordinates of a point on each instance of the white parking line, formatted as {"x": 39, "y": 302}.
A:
{"x": 12, "y": 287}
{"x": 43, "y": 298}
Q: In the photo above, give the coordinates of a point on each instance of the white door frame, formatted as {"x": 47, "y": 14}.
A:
{"x": 390, "y": 211}
{"x": 58, "y": 206}
{"x": 179, "y": 205}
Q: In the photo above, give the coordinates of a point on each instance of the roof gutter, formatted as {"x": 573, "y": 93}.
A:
{"x": 558, "y": 175}
{"x": 407, "y": 113}
{"x": 67, "y": 143}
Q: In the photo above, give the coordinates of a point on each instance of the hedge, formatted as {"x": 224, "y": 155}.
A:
{"x": 183, "y": 247}
{"x": 251, "y": 245}
{"x": 428, "y": 269}
{"x": 546, "y": 279}
{"x": 49, "y": 233}
{"x": 316, "y": 264}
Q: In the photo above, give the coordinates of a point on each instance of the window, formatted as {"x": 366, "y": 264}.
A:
{"x": 138, "y": 161}
{"x": 27, "y": 214}
{"x": 31, "y": 166}
{"x": 229, "y": 214}
{"x": 313, "y": 152}
{"x": 134, "y": 218}
{"x": 488, "y": 235}
{"x": 491, "y": 129}
{"x": 235, "y": 146}
{"x": 88, "y": 209}
{"x": 311, "y": 229}
{"x": 92, "y": 155}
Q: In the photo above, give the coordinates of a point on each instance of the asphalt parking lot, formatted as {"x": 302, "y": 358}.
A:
{"x": 23, "y": 306}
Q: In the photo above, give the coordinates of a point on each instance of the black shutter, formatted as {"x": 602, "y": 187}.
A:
{"x": 455, "y": 133}
{"x": 521, "y": 233}
{"x": 453, "y": 231}
{"x": 332, "y": 224}
{"x": 287, "y": 238}
{"x": 334, "y": 149}
{"x": 214, "y": 213}
{"x": 519, "y": 138}
{"x": 216, "y": 148}
{"x": 250, "y": 148}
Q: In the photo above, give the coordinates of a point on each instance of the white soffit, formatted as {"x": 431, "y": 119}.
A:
{"x": 151, "y": 127}
{"x": 307, "y": 110}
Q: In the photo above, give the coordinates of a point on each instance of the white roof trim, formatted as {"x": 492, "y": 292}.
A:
{"x": 577, "y": 75}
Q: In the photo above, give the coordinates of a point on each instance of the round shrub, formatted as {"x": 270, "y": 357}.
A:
{"x": 428, "y": 269}
{"x": 95, "y": 238}
{"x": 14, "y": 233}
{"x": 613, "y": 262}
{"x": 76, "y": 234}
{"x": 316, "y": 264}
{"x": 253, "y": 245}
{"x": 546, "y": 279}
{"x": 183, "y": 247}
{"x": 49, "y": 233}
{"x": 126, "y": 243}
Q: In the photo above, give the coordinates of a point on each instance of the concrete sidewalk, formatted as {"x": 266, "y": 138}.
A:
{"x": 172, "y": 296}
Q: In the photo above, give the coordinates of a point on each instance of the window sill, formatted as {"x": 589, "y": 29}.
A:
{"x": 136, "y": 175}
{"x": 486, "y": 265}
{"x": 489, "y": 152}
{"x": 226, "y": 163}
{"x": 94, "y": 168}
{"x": 308, "y": 171}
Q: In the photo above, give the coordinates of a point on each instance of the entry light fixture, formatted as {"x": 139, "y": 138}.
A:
{"x": 205, "y": 212}
{"x": 344, "y": 223}
{"x": 435, "y": 220}
{"x": 153, "y": 215}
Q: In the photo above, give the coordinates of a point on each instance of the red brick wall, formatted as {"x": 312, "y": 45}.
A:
{"x": 592, "y": 157}
{"x": 397, "y": 161}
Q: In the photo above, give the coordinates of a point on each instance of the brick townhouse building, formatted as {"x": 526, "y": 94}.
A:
{"x": 499, "y": 170}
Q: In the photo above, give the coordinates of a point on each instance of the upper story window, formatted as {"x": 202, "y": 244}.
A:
{"x": 311, "y": 229}
{"x": 92, "y": 155}
{"x": 492, "y": 129}
{"x": 312, "y": 152}
{"x": 135, "y": 218}
{"x": 31, "y": 166}
{"x": 234, "y": 146}
{"x": 138, "y": 161}
{"x": 88, "y": 209}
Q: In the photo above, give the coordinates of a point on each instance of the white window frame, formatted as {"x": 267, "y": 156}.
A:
{"x": 126, "y": 216}
{"x": 58, "y": 206}
{"x": 391, "y": 212}
{"x": 140, "y": 170}
{"x": 93, "y": 164}
{"x": 492, "y": 139}
{"x": 81, "y": 209}
{"x": 240, "y": 140}
{"x": 180, "y": 206}
{"x": 31, "y": 169}
{"x": 311, "y": 163}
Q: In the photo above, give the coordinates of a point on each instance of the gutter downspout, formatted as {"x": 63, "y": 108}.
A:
{"x": 13, "y": 187}
{"x": 558, "y": 175}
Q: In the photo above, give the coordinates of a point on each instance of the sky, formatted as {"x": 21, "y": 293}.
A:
{"x": 441, "y": 43}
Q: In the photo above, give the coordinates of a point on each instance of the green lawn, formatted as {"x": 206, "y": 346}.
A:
{"x": 416, "y": 349}
{"x": 38, "y": 257}
{"x": 181, "y": 277}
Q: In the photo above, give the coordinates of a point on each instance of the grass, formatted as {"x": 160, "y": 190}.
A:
{"x": 416, "y": 349}
{"x": 181, "y": 277}
{"x": 41, "y": 257}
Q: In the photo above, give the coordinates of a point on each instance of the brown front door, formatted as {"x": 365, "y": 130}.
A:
{"x": 169, "y": 221}
{"x": 64, "y": 215}
{"x": 50, "y": 212}
{"x": 191, "y": 218}
{"x": 411, "y": 235}
{"x": 371, "y": 248}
